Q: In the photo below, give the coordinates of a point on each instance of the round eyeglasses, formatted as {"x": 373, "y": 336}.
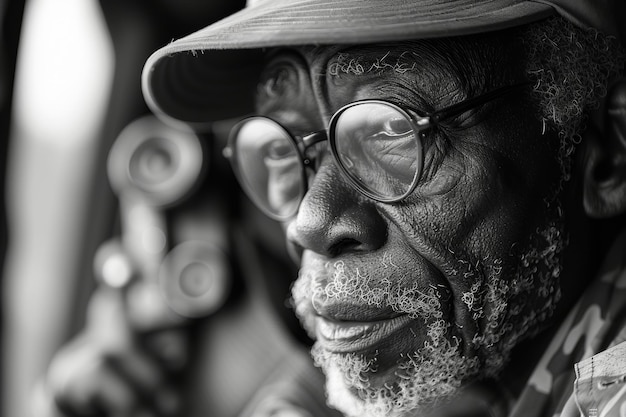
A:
{"x": 376, "y": 144}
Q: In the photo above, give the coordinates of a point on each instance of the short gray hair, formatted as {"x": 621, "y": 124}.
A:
{"x": 571, "y": 69}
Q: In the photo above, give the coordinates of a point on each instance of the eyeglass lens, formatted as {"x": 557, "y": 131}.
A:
{"x": 378, "y": 148}
{"x": 269, "y": 166}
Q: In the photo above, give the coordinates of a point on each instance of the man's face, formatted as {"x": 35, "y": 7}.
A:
{"x": 410, "y": 301}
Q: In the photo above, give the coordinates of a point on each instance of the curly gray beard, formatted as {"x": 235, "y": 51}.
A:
{"x": 503, "y": 310}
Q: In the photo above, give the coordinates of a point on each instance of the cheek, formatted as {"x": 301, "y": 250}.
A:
{"x": 441, "y": 226}
{"x": 512, "y": 185}
{"x": 479, "y": 212}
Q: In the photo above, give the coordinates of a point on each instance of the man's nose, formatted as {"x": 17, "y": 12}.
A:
{"x": 335, "y": 219}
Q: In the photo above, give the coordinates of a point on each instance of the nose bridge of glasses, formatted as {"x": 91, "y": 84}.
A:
{"x": 314, "y": 138}
{"x": 309, "y": 141}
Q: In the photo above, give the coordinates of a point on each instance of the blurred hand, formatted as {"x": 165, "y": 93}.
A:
{"x": 109, "y": 370}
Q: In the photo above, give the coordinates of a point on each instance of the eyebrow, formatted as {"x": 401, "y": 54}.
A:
{"x": 419, "y": 57}
{"x": 365, "y": 62}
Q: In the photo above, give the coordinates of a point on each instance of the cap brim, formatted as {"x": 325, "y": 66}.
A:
{"x": 211, "y": 74}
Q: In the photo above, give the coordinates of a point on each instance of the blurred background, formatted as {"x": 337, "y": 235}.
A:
{"x": 75, "y": 218}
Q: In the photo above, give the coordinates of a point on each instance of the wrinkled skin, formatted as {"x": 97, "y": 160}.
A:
{"x": 443, "y": 272}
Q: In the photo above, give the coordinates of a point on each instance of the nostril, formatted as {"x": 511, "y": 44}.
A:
{"x": 345, "y": 245}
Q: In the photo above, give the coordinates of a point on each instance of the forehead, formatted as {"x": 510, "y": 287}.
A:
{"x": 401, "y": 72}
{"x": 434, "y": 71}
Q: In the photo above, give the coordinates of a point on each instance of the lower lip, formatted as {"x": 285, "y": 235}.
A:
{"x": 350, "y": 336}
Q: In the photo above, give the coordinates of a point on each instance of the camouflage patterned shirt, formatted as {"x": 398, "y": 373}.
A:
{"x": 583, "y": 372}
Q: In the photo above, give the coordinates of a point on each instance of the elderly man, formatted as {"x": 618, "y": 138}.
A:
{"x": 451, "y": 177}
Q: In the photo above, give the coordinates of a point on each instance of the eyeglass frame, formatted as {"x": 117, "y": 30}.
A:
{"x": 303, "y": 142}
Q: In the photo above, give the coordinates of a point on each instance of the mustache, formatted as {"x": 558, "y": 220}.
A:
{"x": 323, "y": 282}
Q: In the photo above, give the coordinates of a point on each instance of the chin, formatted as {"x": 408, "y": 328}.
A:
{"x": 359, "y": 385}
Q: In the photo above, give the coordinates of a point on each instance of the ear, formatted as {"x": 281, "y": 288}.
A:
{"x": 604, "y": 192}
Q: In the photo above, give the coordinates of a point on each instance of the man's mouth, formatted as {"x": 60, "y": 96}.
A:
{"x": 356, "y": 336}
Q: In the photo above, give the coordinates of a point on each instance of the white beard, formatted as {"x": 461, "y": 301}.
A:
{"x": 422, "y": 381}
{"x": 503, "y": 311}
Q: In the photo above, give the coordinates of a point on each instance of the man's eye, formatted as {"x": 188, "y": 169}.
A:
{"x": 279, "y": 149}
{"x": 396, "y": 127}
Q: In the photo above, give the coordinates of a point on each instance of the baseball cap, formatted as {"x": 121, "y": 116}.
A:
{"x": 211, "y": 74}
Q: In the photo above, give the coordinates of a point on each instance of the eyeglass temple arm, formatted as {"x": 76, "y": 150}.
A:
{"x": 466, "y": 105}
